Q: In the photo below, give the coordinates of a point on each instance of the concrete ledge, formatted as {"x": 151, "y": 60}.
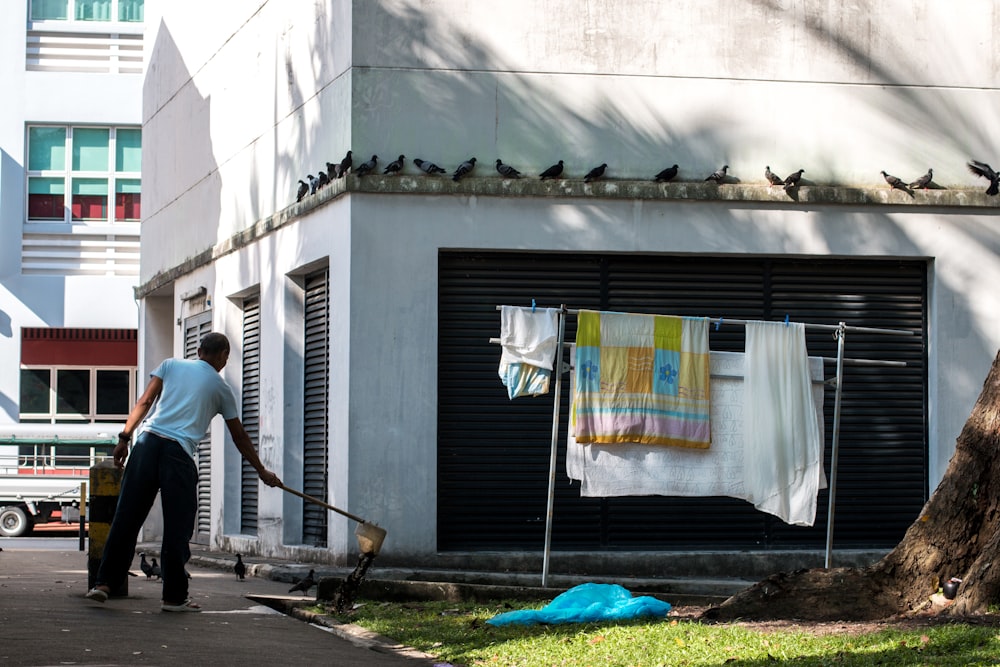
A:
{"x": 806, "y": 196}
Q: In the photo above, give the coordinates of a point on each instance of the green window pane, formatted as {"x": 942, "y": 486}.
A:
{"x": 128, "y": 185}
{"x": 46, "y": 148}
{"x": 130, "y": 10}
{"x": 128, "y": 150}
{"x": 35, "y": 390}
{"x": 46, "y": 186}
{"x": 90, "y": 186}
{"x": 73, "y": 392}
{"x": 90, "y": 149}
{"x": 49, "y": 10}
{"x": 93, "y": 10}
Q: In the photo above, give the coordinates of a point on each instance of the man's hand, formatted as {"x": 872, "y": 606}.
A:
{"x": 120, "y": 453}
{"x": 269, "y": 477}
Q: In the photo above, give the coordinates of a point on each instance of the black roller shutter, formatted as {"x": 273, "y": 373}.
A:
{"x": 493, "y": 452}
{"x": 250, "y": 412}
{"x": 194, "y": 328}
{"x": 315, "y": 435}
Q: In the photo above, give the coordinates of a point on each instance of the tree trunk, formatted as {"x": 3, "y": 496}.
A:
{"x": 955, "y": 535}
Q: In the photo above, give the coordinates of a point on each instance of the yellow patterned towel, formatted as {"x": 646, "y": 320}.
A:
{"x": 642, "y": 378}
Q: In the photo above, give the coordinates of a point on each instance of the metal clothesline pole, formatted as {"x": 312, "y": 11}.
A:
{"x": 839, "y": 331}
{"x": 554, "y": 453}
{"x": 835, "y": 445}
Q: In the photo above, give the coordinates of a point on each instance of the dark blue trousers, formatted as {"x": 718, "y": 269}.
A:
{"x": 155, "y": 464}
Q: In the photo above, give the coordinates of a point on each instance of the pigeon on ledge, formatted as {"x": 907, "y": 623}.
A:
{"x": 666, "y": 175}
{"x": 894, "y": 182}
{"x": 395, "y": 166}
{"x": 719, "y": 175}
{"x": 595, "y": 173}
{"x": 464, "y": 169}
{"x": 986, "y": 171}
{"x": 923, "y": 181}
{"x": 772, "y": 178}
{"x": 506, "y": 170}
{"x": 367, "y": 167}
{"x": 552, "y": 172}
{"x": 428, "y": 167}
{"x": 792, "y": 180}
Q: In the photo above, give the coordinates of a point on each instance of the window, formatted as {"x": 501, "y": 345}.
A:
{"x": 93, "y": 165}
{"x": 76, "y": 394}
{"x": 124, "y": 11}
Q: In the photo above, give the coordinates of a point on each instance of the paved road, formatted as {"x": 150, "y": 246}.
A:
{"x": 45, "y": 620}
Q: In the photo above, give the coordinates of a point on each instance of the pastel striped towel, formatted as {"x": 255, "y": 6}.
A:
{"x": 642, "y": 379}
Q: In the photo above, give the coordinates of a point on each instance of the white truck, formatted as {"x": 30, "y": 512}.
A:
{"x": 41, "y": 469}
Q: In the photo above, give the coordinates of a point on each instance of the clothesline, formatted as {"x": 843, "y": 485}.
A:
{"x": 839, "y": 331}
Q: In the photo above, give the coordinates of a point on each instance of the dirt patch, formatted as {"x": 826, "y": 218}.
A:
{"x": 823, "y": 628}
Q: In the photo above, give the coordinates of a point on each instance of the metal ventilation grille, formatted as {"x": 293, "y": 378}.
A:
{"x": 251, "y": 412}
{"x": 493, "y": 452}
{"x": 194, "y": 328}
{"x": 315, "y": 406}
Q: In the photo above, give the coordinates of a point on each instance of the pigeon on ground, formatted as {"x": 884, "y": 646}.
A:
{"x": 464, "y": 169}
{"x": 239, "y": 568}
{"x": 322, "y": 179}
{"x": 772, "y": 178}
{"x": 313, "y": 184}
{"x": 144, "y": 565}
{"x": 986, "y": 171}
{"x": 924, "y": 180}
{"x": 552, "y": 172}
{"x": 304, "y": 584}
{"x": 367, "y": 167}
{"x": 155, "y": 569}
{"x": 666, "y": 175}
{"x": 428, "y": 167}
{"x": 792, "y": 180}
{"x": 332, "y": 171}
{"x": 895, "y": 183}
{"x": 506, "y": 170}
{"x": 395, "y": 166}
{"x": 595, "y": 173}
{"x": 303, "y": 190}
{"x": 345, "y": 165}
{"x": 718, "y": 175}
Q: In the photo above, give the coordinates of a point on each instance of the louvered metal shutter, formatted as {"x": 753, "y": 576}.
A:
{"x": 250, "y": 411}
{"x": 493, "y": 452}
{"x": 194, "y": 328}
{"x": 315, "y": 440}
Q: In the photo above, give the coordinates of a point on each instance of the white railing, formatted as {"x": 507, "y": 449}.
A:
{"x": 76, "y": 50}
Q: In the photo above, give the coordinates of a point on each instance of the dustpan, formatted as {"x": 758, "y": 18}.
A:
{"x": 370, "y": 536}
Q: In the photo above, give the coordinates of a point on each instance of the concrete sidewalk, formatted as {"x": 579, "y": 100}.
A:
{"x": 46, "y": 620}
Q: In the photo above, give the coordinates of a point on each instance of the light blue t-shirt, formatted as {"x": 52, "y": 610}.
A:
{"x": 193, "y": 393}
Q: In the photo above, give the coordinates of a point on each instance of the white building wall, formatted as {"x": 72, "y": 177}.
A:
{"x": 50, "y": 301}
{"x": 238, "y": 109}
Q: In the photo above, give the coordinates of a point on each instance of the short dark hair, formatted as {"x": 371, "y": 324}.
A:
{"x": 214, "y": 343}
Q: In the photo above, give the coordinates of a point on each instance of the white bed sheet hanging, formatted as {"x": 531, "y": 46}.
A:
{"x": 783, "y": 451}
{"x": 643, "y": 470}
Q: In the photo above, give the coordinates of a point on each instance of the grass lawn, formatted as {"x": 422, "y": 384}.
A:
{"x": 457, "y": 633}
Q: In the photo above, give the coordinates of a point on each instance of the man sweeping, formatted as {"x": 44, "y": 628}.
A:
{"x": 190, "y": 394}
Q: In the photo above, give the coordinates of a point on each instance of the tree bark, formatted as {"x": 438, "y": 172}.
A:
{"x": 955, "y": 535}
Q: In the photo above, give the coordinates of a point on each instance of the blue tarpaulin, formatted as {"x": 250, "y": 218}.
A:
{"x": 586, "y": 603}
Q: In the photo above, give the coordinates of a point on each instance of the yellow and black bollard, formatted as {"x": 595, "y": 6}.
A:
{"x": 105, "y": 485}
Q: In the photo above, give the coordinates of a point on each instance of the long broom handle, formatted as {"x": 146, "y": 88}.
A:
{"x": 312, "y": 499}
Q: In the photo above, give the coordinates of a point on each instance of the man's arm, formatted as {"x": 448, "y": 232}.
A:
{"x": 135, "y": 418}
{"x": 245, "y": 445}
